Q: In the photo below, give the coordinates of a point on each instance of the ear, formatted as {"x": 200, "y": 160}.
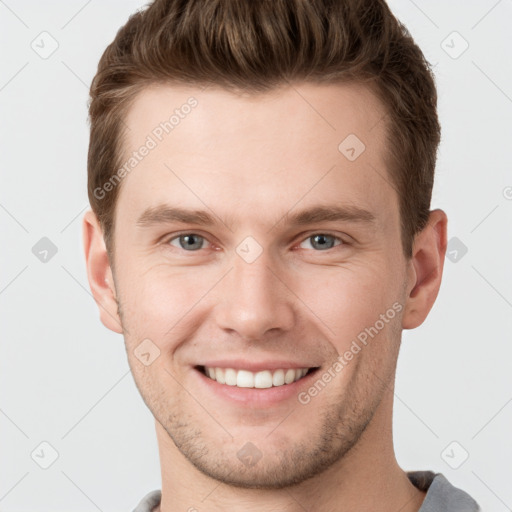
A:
{"x": 425, "y": 270}
{"x": 99, "y": 272}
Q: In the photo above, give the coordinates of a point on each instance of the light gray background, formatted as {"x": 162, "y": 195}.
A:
{"x": 64, "y": 378}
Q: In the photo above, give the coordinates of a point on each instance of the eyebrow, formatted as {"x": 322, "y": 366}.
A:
{"x": 165, "y": 214}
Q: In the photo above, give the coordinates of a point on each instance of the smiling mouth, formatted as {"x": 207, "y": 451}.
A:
{"x": 259, "y": 380}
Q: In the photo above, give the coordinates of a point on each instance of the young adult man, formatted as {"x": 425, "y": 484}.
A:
{"x": 260, "y": 176}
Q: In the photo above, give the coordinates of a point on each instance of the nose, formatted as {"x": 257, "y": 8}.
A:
{"x": 254, "y": 300}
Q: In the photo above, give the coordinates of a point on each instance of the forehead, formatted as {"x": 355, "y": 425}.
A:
{"x": 297, "y": 143}
{"x": 322, "y": 112}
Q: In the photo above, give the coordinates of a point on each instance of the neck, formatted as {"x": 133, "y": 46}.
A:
{"x": 367, "y": 478}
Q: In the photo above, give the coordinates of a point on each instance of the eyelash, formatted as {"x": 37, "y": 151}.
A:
{"x": 168, "y": 241}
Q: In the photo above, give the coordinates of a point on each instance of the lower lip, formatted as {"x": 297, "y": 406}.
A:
{"x": 256, "y": 397}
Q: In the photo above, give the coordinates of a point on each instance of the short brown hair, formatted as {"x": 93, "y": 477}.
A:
{"x": 255, "y": 46}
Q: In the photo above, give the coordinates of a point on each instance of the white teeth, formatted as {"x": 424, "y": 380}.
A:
{"x": 244, "y": 379}
{"x": 278, "y": 378}
{"x": 263, "y": 380}
{"x": 259, "y": 380}
{"x": 289, "y": 376}
{"x": 219, "y": 375}
{"x": 230, "y": 376}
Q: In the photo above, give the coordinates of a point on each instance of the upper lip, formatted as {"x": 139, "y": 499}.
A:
{"x": 256, "y": 366}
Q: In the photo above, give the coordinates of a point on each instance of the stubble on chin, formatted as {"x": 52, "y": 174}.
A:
{"x": 340, "y": 425}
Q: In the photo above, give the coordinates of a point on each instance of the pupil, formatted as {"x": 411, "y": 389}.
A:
{"x": 190, "y": 241}
{"x": 322, "y": 240}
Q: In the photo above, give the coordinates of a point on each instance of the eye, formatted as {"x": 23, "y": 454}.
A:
{"x": 323, "y": 241}
{"x": 193, "y": 242}
{"x": 187, "y": 241}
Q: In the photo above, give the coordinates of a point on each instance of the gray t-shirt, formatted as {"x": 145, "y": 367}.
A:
{"x": 441, "y": 495}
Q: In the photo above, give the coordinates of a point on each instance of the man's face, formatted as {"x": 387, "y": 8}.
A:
{"x": 256, "y": 290}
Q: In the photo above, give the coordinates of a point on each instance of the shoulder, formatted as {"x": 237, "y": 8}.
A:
{"x": 149, "y": 502}
{"x": 441, "y": 494}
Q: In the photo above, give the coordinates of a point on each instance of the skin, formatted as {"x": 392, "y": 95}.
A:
{"x": 250, "y": 160}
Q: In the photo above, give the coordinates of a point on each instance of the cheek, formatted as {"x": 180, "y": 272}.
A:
{"x": 158, "y": 303}
{"x": 348, "y": 299}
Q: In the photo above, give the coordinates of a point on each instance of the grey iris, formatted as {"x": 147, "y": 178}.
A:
{"x": 321, "y": 239}
{"x": 191, "y": 241}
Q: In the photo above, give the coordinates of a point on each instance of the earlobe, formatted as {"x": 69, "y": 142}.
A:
{"x": 99, "y": 272}
{"x": 425, "y": 270}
